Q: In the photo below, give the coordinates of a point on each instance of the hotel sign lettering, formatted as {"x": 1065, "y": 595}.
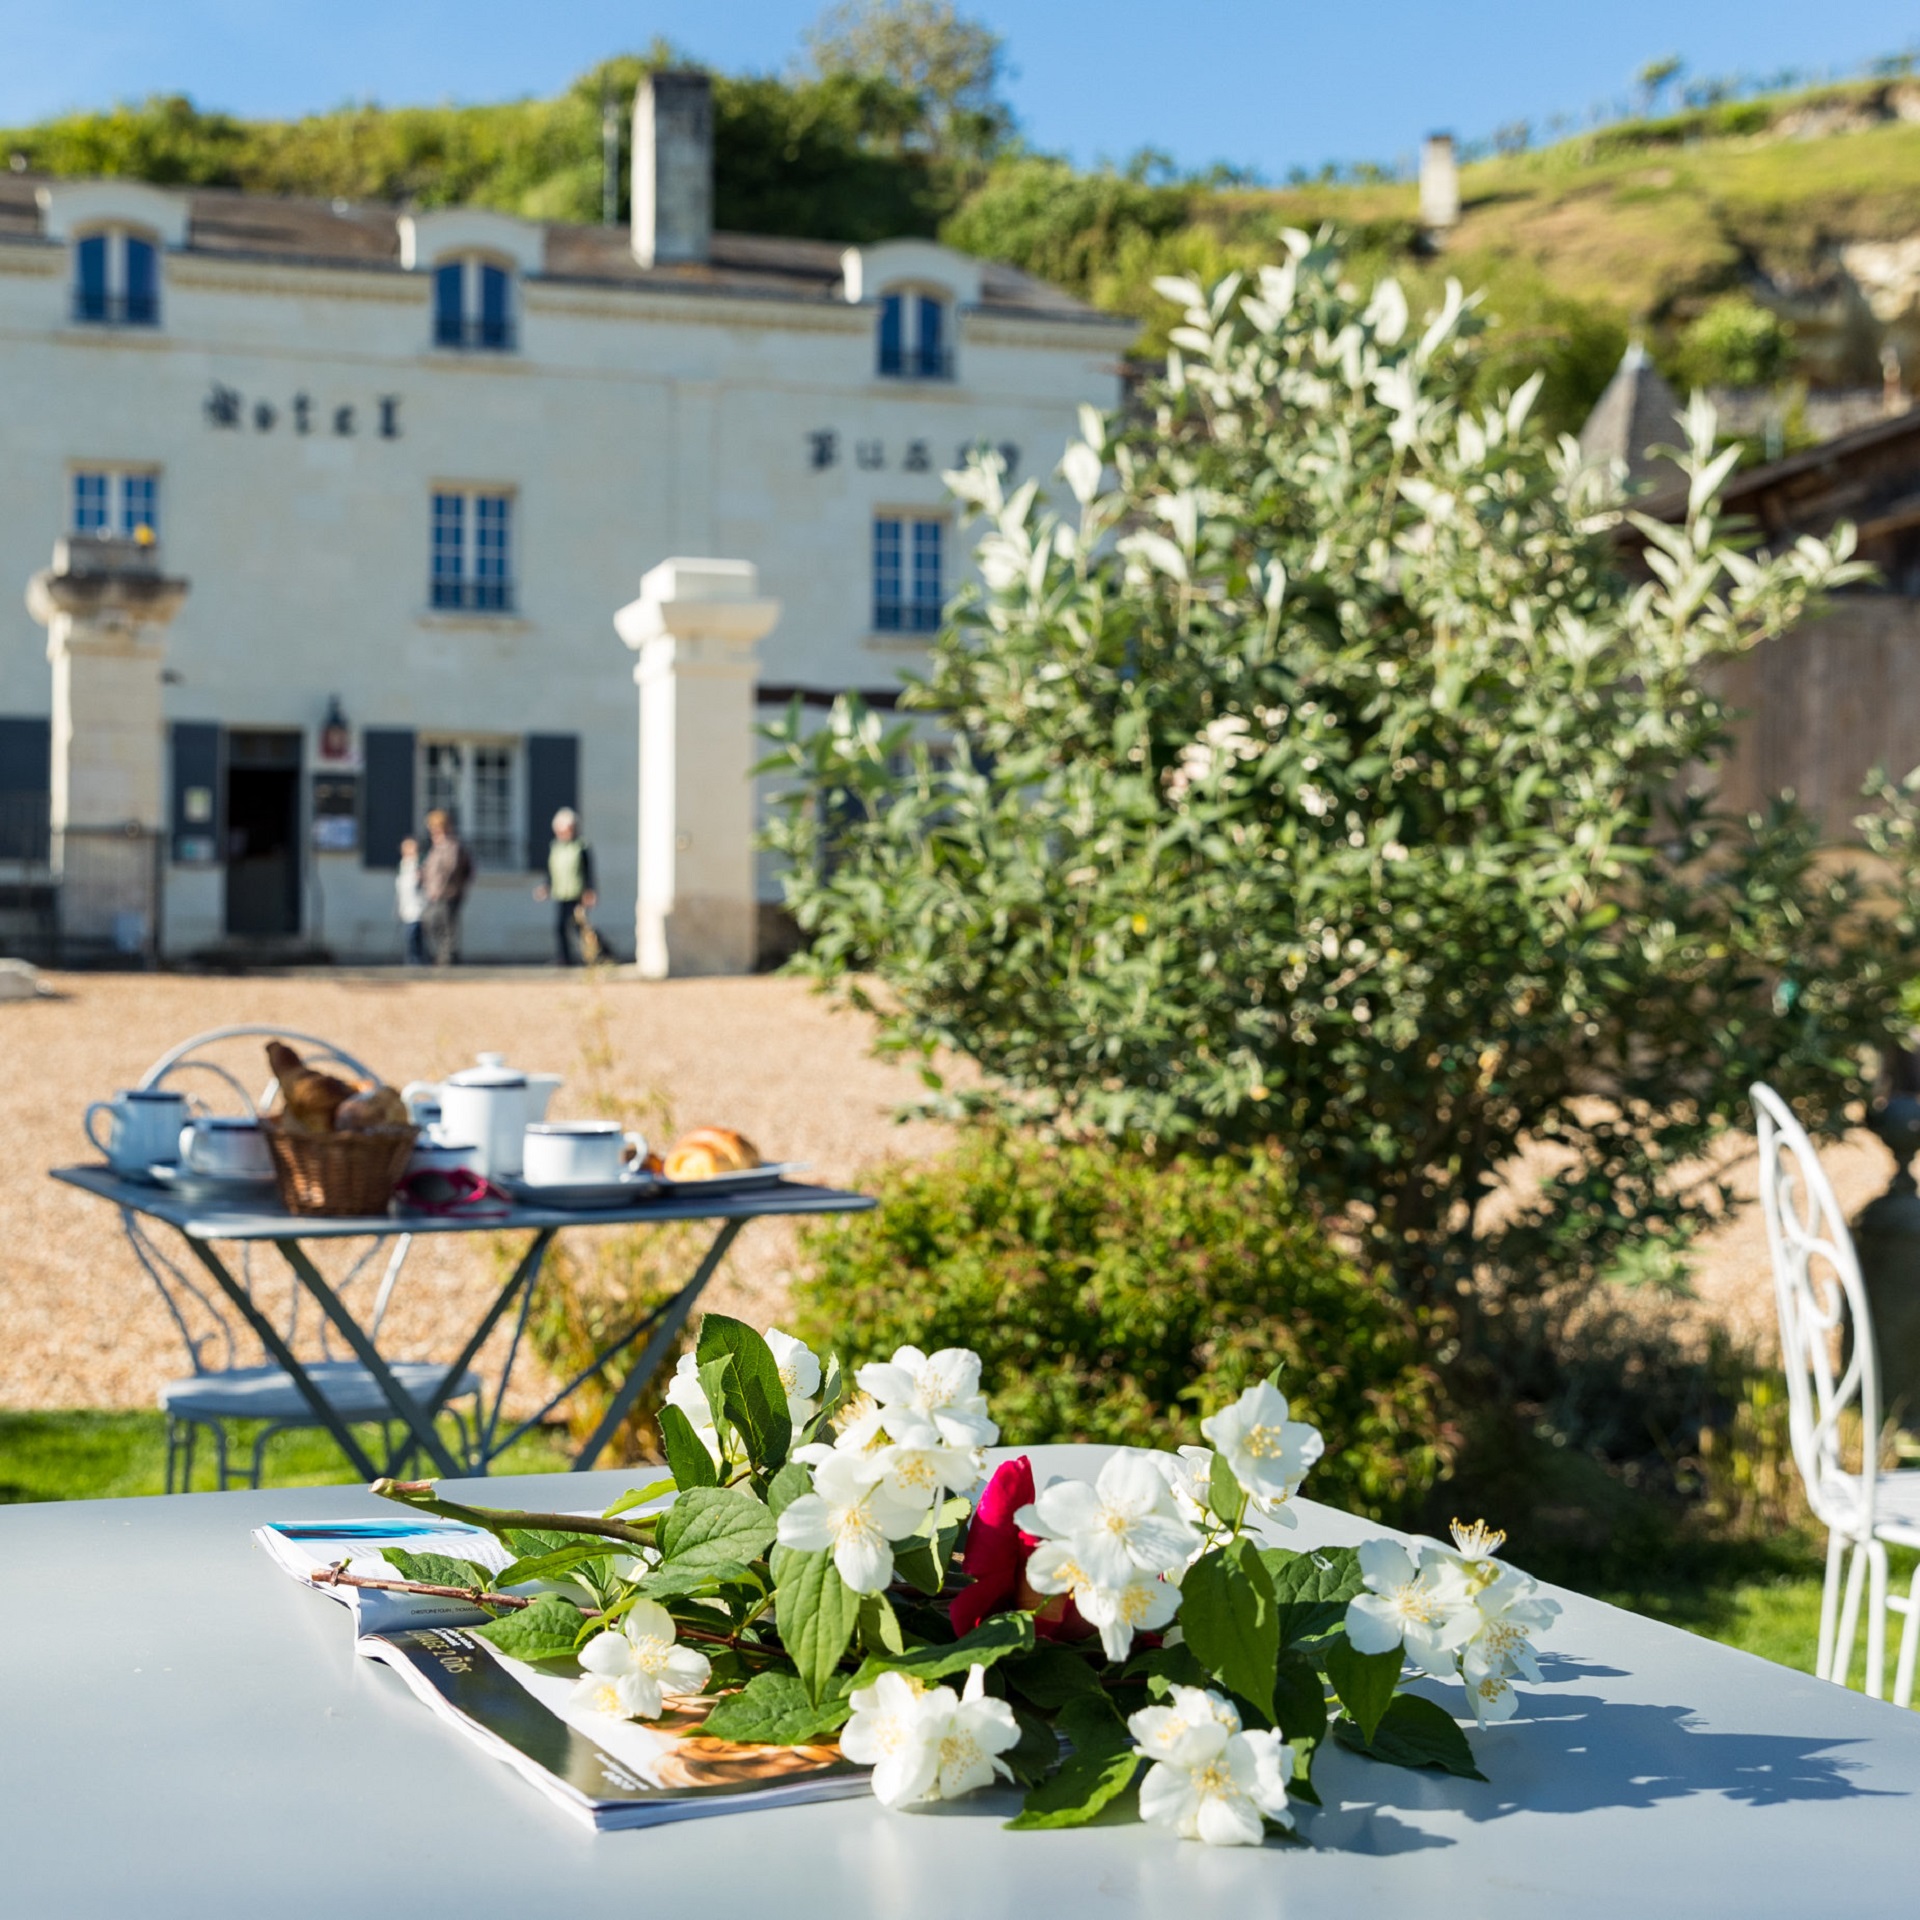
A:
{"x": 826, "y": 448}
{"x": 228, "y": 410}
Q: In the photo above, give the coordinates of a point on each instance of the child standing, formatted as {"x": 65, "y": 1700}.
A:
{"x": 410, "y": 902}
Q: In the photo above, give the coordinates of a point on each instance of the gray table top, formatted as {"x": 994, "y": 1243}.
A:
{"x": 186, "y": 1731}
{"x": 200, "y": 1222}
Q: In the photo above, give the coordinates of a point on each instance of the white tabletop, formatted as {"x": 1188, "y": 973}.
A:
{"x": 186, "y": 1731}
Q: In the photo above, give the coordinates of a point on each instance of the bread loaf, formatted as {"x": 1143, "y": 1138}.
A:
{"x": 378, "y": 1106}
{"x": 708, "y": 1151}
{"x": 311, "y": 1098}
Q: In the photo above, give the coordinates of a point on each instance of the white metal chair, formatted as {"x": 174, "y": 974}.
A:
{"x": 1833, "y": 1381}
{"x": 223, "y": 1391}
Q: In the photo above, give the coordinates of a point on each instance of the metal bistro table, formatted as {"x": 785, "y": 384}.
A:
{"x": 200, "y": 1226}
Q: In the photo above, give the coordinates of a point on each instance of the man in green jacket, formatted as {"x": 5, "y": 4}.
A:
{"x": 569, "y": 885}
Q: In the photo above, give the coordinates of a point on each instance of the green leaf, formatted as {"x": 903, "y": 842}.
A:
{"x": 639, "y": 1496}
{"x": 1036, "y": 1753}
{"x": 992, "y": 1640}
{"x": 1364, "y": 1681}
{"x": 547, "y": 1630}
{"x": 756, "y": 1400}
{"x": 916, "y": 1563}
{"x": 1050, "y": 1675}
{"x": 713, "y": 1383}
{"x": 817, "y": 1613}
{"x": 1229, "y": 1618}
{"x": 527, "y": 1541}
{"x": 696, "y": 1575}
{"x": 439, "y": 1569}
{"x": 557, "y": 1562}
{"x": 787, "y": 1486}
{"x": 1225, "y": 1495}
{"x": 1312, "y": 1588}
{"x": 880, "y": 1628}
{"x": 773, "y": 1710}
{"x": 1099, "y": 1769}
{"x": 1414, "y": 1732}
{"x": 709, "y": 1528}
{"x": 686, "y": 1452}
{"x": 1165, "y": 1667}
{"x": 1299, "y": 1698}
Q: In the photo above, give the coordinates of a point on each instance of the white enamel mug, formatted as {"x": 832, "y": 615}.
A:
{"x": 576, "y": 1153}
{"x": 143, "y": 1128}
{"x": 226, "y": 1146}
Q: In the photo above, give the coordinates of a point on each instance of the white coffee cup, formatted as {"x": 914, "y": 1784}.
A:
{"x": 143, "y": 1128}
{"x": 576, "y": 1153}
{"x": 225, "y": 1146}
{"x": 443, "y": 1156}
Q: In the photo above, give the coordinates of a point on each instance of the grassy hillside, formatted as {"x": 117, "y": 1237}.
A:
{"x": 1731, "y": 235}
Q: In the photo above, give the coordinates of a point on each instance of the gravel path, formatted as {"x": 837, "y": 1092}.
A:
{"x": 84, "y": 1327}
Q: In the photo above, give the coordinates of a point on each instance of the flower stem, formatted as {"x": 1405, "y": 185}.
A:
{"x": 419, "y": 1495}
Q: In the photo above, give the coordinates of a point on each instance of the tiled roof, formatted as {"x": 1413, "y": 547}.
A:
{"x": 340, "y": 233}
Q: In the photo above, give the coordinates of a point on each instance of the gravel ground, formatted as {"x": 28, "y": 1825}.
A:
{"x": 85, "y": 1327}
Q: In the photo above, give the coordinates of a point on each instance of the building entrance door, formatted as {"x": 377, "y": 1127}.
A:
{"x": 263, "y": 833}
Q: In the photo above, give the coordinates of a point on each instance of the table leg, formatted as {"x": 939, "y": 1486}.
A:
{"x": 419, "y": 1423}
{"x": 269, "y": 1337}
{"x": 656, "y": 1349}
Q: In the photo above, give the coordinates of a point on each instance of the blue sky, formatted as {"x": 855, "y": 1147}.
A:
{"x": 1266, "y": 84}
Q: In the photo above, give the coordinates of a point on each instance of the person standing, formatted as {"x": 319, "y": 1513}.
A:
{"x": 445, "y": 875}
{"x": 409, "y": 902}
{"x": 569, "y": 885}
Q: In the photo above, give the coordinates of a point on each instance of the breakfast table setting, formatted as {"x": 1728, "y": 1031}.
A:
{"x": 326, "y": 1151}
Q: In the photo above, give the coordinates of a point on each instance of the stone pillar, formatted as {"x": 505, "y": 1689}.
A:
{"x": 694, "y": 628}
{"x": 1439, "y": 184}
{"x": 106, "y": 606}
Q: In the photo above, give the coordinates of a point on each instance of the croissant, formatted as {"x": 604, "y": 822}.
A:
{"x": 311, "y": 1098}
{"x": 378, "y": 1106}
{"x": 707, "y": 1151}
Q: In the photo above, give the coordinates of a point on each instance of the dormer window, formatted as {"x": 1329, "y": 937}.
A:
{"x": 915, "y": 336}
{"x": 116, "y": 279}
{"x": 473, "y": 305}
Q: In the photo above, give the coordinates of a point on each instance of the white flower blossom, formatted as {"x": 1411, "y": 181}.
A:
{"x": 799, "y": 1375}
{"x": 1188, "y": 1473}
{"x": 685, "y": 1392}
{"x": 629, "y": 1672}
{"x": 851, "y": 1512}
{"x": 944, "y": 1387}
{"x": 927, "y": 1743}
{"x": 1122, "y": 1525}
{"x": 1428, "y": 1609}
{"x": 1139, "y": 1604}
{"x": 1268, "y": 1453}
{"x": 1208, "y": 1780}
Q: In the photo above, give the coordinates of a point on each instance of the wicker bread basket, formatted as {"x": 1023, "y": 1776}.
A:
{"x": 346, "y": 1174}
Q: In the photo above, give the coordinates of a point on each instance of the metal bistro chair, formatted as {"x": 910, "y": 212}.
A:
{"x": 1833, "y": 1380}
{"x": 219, "y": 1390}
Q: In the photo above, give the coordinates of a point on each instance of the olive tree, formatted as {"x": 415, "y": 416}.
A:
{"x": 1321, "y": 775}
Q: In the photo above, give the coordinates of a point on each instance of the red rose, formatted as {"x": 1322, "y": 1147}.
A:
{"x": 996, "y": 1562}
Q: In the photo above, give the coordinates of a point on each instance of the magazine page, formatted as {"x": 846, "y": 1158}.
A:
{"x": 303, "y": 1548}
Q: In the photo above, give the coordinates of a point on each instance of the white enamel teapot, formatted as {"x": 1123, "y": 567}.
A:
{"x": 487, "y": 1107}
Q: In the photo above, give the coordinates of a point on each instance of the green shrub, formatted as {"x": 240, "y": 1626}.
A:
{"x": 1115, "y": 1298}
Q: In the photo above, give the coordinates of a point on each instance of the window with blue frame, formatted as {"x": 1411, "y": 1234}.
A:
{"x": 118, "y": 500}
{"x": 116, "y": 280}
{"x": 473, "y": 306}
{"x": 471, "y": 564}
{"x": 908, "y": 591}
{"x": 913, "y": 337}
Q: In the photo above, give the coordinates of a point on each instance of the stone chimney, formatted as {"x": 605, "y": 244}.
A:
{"x": 1439, "y": 184}
{"x": 673, "y": 169}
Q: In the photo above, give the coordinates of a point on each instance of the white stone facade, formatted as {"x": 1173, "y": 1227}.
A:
{"x": 297, "y": 418}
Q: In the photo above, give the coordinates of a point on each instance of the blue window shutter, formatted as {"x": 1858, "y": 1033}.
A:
{"x": 143, "y": 282}
{"x": 26, "y": 778}
{"x": 887, "y": 570}
{"x": 90, "y": 278}
{"x": 892, "y": 330}
{"x": 553, "y": 782}
{"x": 449, "y": 304}
{"x": 386, "y": 790}
{"x": 494, "y": 330}
{"x": 933, "y": 316}
{"x": 195, "y": 761}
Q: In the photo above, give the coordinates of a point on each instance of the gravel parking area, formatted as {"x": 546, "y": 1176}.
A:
{"x": 83, "y": 1325}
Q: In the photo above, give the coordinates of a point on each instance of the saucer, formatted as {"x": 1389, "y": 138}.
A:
{"x": 584, "y": 1196}
{"x": 224, "y": 1189}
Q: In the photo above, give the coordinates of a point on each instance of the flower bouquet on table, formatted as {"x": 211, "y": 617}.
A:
{"x": 826, "y": 1563}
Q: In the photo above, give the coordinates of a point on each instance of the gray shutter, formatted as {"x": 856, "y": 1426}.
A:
{"x": 553, "y": 782}
{"x": 387, "y": 790}
{"x": 26, "y": 780}
{"x": 195, "y": 764}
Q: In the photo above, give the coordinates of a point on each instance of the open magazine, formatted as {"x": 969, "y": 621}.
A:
{"x": 606, "y": 1772}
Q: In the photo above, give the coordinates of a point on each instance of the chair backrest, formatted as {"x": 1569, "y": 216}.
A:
{"x": 1826, "y": 1327}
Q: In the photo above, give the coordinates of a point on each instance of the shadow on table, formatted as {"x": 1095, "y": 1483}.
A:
{"x": 1574, "y": 1753}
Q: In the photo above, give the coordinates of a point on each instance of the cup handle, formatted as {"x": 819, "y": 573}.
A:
{"x": 638, "y": 1142}
{"x": 417, "y": 1090}
{"x": 189, "y": 1139}
{"x": 99, "y": 1106}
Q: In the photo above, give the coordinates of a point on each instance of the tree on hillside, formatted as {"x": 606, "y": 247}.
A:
{"x": 1320, "y": 778}
{"x": 1656, "y": 77}
{"x": 926, "y": 48}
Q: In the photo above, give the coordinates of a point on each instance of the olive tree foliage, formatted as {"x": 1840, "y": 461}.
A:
{"x": 1318, "y": 776}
